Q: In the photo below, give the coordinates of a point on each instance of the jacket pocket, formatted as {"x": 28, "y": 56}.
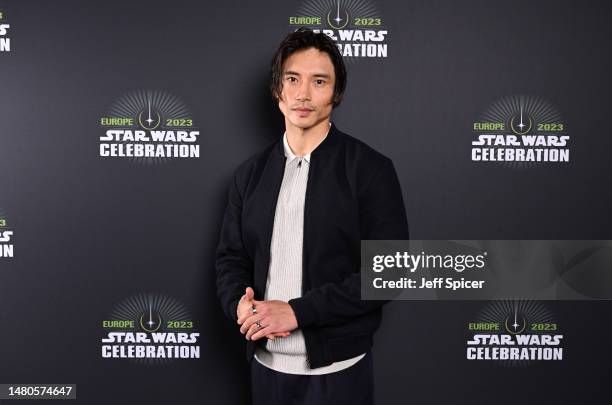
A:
{"x": 346, "y": 347}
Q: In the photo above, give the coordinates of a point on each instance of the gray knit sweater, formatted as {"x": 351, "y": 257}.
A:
{"x": 288, "y": 355}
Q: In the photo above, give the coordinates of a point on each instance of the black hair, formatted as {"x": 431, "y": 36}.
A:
{"x": 304, "y": 38}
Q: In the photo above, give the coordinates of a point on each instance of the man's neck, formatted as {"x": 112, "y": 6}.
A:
{"x": 304, "y": 141}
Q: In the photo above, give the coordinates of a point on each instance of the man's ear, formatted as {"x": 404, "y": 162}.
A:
{"x": 278, "y": 103}
{"x": 279, "y": 95}
{"x": 335, "y": 100}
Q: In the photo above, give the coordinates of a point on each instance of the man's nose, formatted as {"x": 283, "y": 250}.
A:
{"x": 303, "y": 91}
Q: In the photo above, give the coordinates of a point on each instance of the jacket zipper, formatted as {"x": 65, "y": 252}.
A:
{"x": 306, "y": 201}
{"x": 311, "y": 167}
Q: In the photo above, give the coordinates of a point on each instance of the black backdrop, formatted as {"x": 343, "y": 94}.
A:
{"x": 90, "y": 231}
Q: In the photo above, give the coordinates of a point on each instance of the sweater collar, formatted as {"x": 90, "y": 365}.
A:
{"x": 289, "y": 153}
{"x": 328, "y": 142}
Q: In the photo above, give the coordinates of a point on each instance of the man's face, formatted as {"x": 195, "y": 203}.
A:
{"x": 307, "y": 88}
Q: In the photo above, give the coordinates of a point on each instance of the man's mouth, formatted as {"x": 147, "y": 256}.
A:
{"x": 303, "y": 111}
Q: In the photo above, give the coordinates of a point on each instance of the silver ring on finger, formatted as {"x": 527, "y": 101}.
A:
{"x": 258, "y": 323}
{"x": 253, "y": 309}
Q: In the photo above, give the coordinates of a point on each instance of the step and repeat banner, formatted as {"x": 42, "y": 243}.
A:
{"x": 122, "y": 122}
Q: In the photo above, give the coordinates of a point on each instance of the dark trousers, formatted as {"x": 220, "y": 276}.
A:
{"x": 353, "y": 385}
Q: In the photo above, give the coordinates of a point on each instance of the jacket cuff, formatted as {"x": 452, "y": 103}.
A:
{"x": 305, "y": 311}
{"x": 234, "y": 309}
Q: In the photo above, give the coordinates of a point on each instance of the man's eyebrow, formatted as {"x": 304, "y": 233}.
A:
{"x": 291, "y": 72}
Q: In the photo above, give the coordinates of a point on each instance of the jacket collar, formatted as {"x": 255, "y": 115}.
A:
{"x": 289, "y": 153}
{"x": 328, "y": 143}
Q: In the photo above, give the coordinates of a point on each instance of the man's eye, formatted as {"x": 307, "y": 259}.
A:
{"x": 292, "y": 79}
{"x": 319, "y": 82}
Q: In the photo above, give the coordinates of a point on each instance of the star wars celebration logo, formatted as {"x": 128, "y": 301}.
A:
{"x": 149, "y": 127}
{"x": 5, "y": 41}
{"x": 520, "y": 131}
{"x": 7, "y": 250}
{"x": 515, "y": 333}
{"x": 150, "y": 328}
{"x": 356, "y": 25}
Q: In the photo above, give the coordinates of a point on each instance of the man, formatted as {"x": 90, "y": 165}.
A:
{"x": 288, "y": 260}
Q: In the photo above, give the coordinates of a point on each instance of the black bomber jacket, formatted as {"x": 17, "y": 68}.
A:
{"x": 352, "y": 194}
